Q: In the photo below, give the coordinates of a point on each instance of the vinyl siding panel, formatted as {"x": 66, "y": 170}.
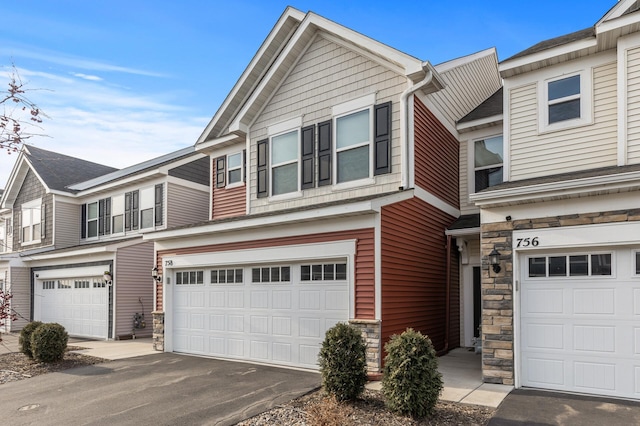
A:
{"x": 633, "y": 106}
{"x": 133, "y": 288}
{"x": 186, "y": 205}
{"x": 436, "y": 156}
{"x": 328, "y": 74}
{"x": 30, "y": 190}
{"x": 364, "y": 261}
{"x": 466, "y": 207}
{"x": 414, "y": 269}
{"x": 196, "y": 171}
{"x": 570, "y": 150}
{"x": 19, "y": 281}
{"x": 67, "y": 220}
{"x": 467, "y": 86}
{"x": 227, "y": 202}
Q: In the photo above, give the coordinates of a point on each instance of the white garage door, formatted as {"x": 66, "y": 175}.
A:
{"x": 275, "y": 314}
{"x": 78, "y": 304}
{"x": 580, "y": 322}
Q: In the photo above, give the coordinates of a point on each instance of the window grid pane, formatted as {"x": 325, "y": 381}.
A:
{"x": 352, "y": 129}
{"x": 353, "y": 164}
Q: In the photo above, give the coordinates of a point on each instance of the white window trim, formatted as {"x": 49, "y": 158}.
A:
{"x": 86, "y": 224}
{"x": 30, "y": 205}
{"x": 568, "y": 277}
{"x": 279, "y": 129}
{"x": 586, "y": 102}
{"x": 471, "y": 158}
{"x": 229, "y": 169}
{"x": 348, "y": 109}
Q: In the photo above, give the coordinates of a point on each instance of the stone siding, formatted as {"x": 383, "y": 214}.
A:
{"x": 371, "y": 333}
{"x": 497, "y": 288}
{"x": 158, "y": 330}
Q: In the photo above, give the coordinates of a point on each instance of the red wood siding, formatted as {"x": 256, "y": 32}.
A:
{"x": 414, "y": 272}
{"x": 364, "y": 261}
{"x": 226, "y": 202}
{"x": 436, "y": 156}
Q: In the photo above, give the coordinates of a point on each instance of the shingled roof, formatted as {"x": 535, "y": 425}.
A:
{"x": 555, "y": 42}
{"x": 59, "y": 171}
{"x": 490, "y": 107}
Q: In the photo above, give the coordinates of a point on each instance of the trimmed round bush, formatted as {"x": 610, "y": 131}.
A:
{"x": 343, "y": 363}
{"x": 49, "y": 342}
{"x": 25, "y": 337}
{"x": 411, "y": 382}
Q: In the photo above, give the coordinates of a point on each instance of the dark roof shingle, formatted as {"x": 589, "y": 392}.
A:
{"x": 490, "y": 107}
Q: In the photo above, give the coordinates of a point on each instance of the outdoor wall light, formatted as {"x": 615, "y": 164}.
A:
{"x": 155, "y": 275}
{"x": 494, "y": 260}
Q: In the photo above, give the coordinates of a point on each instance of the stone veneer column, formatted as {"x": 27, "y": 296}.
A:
{"x": 158, "y": 330}
{"x": 371, "y": 332}
{"x": 497, "y": 289}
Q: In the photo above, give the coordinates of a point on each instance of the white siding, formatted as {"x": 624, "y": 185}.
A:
{"x": 466, "y": 207}
{"x": 133, "y": 288}
{"x": 328, "y": 74}
{"x": 186, "y": 205}
{"x": 20, "y": 287}
{"x": 581, "y": 148}
{"x": 67, "y": 224}
{"x": 633, "y": 105}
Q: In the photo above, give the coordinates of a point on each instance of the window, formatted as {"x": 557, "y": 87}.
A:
{"x": 31, "y": 216}
{"x": 488, "y": 162}
{"x": 284, "y": 163}
{"x": 580, "y": 265}
{"x": 98, "y": 218}
{"x": 92, "y": 220}
{"x": 48, "y": 285}
{"x": 226, "y": 276}
{"x": 565, "y": 101}
{"x": 234, "y": 168}
{"x": 117, "y": 218}
{"x": 64, "y": 284}
{"x": 272, "y": 274}
{"x": 353, "y": 146}
{"x": 189, "y": 277}
{"x": 324, "y": 272}
{"x": 81, "y": 284}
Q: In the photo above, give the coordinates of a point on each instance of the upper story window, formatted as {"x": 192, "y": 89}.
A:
{"x": 229, "y": 170}
{"x": 353, "y": 146}
{"x": 30, "y": 221}
{"x": 565, "y": 101}
{"x": 488, "y": 162}
{"x": 234, "y": 165}
{"x": 284, "y": 163}
{"x": 99, "y": 218}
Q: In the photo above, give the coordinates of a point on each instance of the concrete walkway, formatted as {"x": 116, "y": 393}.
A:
{"x": 462, "y": 376}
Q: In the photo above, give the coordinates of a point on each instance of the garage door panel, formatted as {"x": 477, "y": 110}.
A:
{"x": 594, "y": 376}
{"x": 543, "y": 301}
{"x": 282, "y": 299}
{"x": 259, "y": 299}
{"x": 545, "y": 336}
{"x": 590, "y": 338}
{"x": 594, "y": 301}
{"x": 281, "y": 326}
{"x": 236, "y": 299}
{"x": 282, "y": 352}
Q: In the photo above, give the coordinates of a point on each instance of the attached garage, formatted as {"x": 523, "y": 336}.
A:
{"x": 76, "y": 298}
{"x": 579, "y": 315}
{"x": 273, "y": 312}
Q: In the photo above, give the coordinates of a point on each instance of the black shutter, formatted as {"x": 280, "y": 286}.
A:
{"x": 324, "y": 153}
{"x": 107, "y": 216}
{"x": 135, "y": 206}
{"x": 159, "y": 200}
{"x": 382, "y": 141}
{"x": 220, "y": 172}
{"x": 43, "y": 221}
{"x": 244, "y": 165}
{"x": 127, "y": 211}
{"x": 308, "y": 151}
{"x": 263, "y": 168}
{"x": 83, "y": 221}
{"x": 101, "y": 214}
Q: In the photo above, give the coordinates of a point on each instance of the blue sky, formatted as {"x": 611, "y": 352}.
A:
{"x": 126, "y": 81}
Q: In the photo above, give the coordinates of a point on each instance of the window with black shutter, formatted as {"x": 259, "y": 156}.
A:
{"x": 308, "y": 154}
{"x": 263, "y": 169}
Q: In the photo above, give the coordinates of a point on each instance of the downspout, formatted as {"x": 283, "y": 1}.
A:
{"x": 447, "y": 311}
{"x": 404, "y": 107}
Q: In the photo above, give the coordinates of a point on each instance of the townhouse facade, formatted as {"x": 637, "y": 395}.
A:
{"x": 558, "y": 252}
{"x": 74, "y": 252}
{"x": 334, "y": 176}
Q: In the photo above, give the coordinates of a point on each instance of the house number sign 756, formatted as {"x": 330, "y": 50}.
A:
{"x": 527, "y": 242}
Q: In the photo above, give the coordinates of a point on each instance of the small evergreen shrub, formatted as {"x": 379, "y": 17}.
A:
{"x": 411, "y": 382}
{"x": 25, "y": 337}
{"x": 49, "y": 342}
{"x": 343, "y": 363}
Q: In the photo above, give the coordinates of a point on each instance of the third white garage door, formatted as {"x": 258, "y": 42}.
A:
{"x": 580, "y": 322}
{"x": 276, "y": 314}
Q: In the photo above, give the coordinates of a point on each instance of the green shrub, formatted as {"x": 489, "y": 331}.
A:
{"x": 343, "y": 363}
{"x": 25, "y": 337}
{"x": 49, "y": 342}
{"x": 411, "y": 382}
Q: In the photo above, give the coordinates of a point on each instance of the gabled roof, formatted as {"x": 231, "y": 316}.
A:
{"x": 279, "y": 53}
{"x": 622, "y": 19}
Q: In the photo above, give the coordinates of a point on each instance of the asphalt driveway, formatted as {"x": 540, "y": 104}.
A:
{"x": 160, "y": 389}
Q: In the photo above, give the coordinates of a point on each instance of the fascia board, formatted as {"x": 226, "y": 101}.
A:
{"x": 11, "y": 190}
{"x": 289, "y": 13}
{"x": 462, "y": 232}
{"x": 221, "y": 142}
{"x": 110, "y": 248}
{"x": 616, "y": 11}
{"x": 483, "y": 122}
{"x": 620, "y": 22}
{"x": 363, "y": 207}
{"x": 122, "y": 182}
{"x": 576, "y": 46}
{"x": 464, "y": 60}
{"x": 531, "y": 193}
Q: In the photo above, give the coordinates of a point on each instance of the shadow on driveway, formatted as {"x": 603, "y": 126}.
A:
{"x": 158, "y": 389}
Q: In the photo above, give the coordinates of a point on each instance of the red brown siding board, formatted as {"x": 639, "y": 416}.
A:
{"x": 436, "y": 156}
{"x": 227, "y": 202}
{"x": 414, "y": 272}
{"x": 364, "y": 261}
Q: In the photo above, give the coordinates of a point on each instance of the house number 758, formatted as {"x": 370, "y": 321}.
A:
{"x": 527, "y": 242}
{"x": 168, "y": 263}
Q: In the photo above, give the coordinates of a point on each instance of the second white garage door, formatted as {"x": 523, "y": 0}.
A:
{"x": 580, "y": 322}
{"x": 275, "y": 314}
